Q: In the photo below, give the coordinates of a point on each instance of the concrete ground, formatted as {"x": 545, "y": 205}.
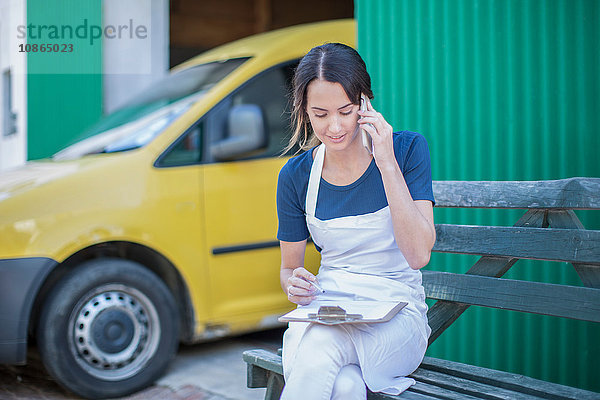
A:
{"x": 207, "y": 371}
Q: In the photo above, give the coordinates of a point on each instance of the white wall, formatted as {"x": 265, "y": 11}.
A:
{"x": 13, "y": 148}
{"x": 131, "y": 65}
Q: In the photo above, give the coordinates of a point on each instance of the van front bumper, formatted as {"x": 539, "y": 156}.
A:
{"x": 20, "y": 281}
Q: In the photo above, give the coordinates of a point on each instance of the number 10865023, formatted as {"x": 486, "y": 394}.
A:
{"x": 46, "y": 48}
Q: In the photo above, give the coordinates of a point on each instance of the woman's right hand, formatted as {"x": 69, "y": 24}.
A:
{"x": 299, "y": 289}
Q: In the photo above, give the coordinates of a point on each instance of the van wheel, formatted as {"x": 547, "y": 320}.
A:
{"x": 109, "y": 328}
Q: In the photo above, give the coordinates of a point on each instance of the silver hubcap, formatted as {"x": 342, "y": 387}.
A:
{"x": 113, "y": 332}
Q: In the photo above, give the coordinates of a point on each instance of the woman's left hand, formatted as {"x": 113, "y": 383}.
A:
{"x": 381, "y": 133}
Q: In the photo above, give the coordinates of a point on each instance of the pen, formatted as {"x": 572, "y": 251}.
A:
{"x": 319, "y": 288}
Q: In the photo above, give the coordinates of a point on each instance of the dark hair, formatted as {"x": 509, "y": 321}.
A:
{"x": 332, "y": 62}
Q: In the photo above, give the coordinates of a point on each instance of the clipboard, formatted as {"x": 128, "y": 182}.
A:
{"x": 330, "y": 312}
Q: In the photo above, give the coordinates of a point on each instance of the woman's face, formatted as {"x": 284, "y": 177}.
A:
{"x": 332, "y": 115}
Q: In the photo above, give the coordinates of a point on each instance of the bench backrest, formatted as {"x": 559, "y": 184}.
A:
{"x": 549, "y": 230}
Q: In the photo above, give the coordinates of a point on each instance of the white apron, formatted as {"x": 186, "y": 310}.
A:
{"x": 360, "y": 260}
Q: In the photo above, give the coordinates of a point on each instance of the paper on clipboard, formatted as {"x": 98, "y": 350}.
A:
{"x": 330, "y": 312}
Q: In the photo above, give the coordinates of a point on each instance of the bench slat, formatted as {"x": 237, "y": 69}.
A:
{"x": 468, "y": 387}
{"x": 435, "y": 392}
{"x": 264, "y": 359}
{"x": 404, "y": 396}
{"x": 576, "y": 246}
{"x": 540, "y": 298}
{"x": 507, "y": 380}
{"x": 572, "y": 193}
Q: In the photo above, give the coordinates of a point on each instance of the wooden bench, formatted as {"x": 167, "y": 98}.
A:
{"x": 549, "y": 230}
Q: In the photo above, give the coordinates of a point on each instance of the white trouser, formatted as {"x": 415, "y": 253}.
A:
{"x": 324, "y": 365}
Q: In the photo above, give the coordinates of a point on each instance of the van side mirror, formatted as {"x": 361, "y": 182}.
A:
{"x": 247, "y": 133}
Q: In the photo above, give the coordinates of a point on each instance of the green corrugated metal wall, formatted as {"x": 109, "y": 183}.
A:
{"x": 502, "y": 90}
{"x": 61, "y": 103}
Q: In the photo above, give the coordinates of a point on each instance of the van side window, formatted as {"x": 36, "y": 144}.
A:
{"x": 270, "y": 92}
{"x": 267, "y": 93}
{"x": 187, "y": 150}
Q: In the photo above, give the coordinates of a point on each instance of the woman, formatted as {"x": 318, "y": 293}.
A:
{"x": 371, "y": 217}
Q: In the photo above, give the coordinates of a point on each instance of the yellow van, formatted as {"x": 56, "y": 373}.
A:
{"x": 158, "y": 225}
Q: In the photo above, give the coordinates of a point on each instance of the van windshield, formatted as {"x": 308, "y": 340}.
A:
{"x": 142, "y": 119}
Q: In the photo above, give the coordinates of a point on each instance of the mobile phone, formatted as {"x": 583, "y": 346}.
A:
{"x": 366, "y": 138}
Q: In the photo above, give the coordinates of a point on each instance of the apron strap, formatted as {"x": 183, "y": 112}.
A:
{"x": 314, "y": 180}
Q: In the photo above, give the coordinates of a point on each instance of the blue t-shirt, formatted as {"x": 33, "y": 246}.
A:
{"x": 365, "y": 195}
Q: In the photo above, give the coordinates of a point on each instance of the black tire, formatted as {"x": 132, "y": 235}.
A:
{"x": 109, "y": 328}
